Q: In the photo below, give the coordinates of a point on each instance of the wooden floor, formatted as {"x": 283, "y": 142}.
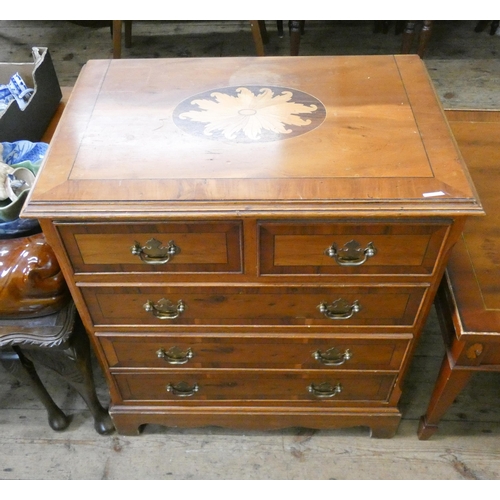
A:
{"x": 467, "y": 445}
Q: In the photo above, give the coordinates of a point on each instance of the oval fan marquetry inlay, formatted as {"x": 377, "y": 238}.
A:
{"x": 249, "y": 114}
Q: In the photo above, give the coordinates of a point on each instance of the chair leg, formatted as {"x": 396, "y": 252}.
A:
{"x": 23, "y": 369}
{"x": 279, "y": 26}
{"x": 260, "y": 37}
{"x": 263, "y": 31}
{"x": 408, "y": 37}
{"x": 128, "y": 34}
{"x": 296, "y": 30}
{"x": 425, "y": 35}
{"x": 481, "y": 26}
{"x": 117, "y": 39}
{"x": 381, "y": 27}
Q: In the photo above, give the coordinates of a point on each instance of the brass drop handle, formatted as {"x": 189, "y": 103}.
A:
{"x": 332, "y": 357}
{"x": 339, "y": 309}
{"x": 183, "y": 389}
{"x": 351, "y": 254}
{"x": 325, "y": 390}
{"x": 165, "y": 309}
{"x": 175, "y": 355}
{"x": 153, "y": 252}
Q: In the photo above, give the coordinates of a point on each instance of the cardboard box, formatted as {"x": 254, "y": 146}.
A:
{"x": 30, "y": 124}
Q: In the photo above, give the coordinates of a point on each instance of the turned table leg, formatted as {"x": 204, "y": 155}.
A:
{"x": 18, "y": 365}
{"x": 450, "y": 382}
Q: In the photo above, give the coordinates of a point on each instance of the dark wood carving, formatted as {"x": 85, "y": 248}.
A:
{"x": 31, "y": 282}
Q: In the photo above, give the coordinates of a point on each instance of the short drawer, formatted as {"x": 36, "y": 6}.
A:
{"x": 345, "y": 248}
{"x": 335, "y": 353}
{"x": 253, "y": 305}
{"x": 248, "y": 386}
{"x": 174, "y": 247}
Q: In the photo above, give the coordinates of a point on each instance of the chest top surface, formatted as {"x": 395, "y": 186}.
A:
{"x": 328, "y": 133}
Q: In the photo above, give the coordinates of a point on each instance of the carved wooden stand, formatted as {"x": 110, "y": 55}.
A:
{"x": 59, "y": 342}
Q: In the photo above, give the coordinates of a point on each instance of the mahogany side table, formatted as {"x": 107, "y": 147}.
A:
{"x": 468, "y": 300}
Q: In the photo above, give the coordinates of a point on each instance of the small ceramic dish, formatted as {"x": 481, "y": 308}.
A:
{"x": 10, "y": 210}
{"x": 18, "y": 181}
{"x": 17, "y": 186}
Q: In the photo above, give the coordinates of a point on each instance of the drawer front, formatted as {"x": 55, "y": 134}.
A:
{"x": 341, "y": 248}
{"x": 174, "y": 247}
{"x": 245, "y": 306}
{"x": 334, "y": 353}
{"x": 197, "y": 386}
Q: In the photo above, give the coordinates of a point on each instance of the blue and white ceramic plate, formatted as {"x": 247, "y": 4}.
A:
{"x": 21, "y": 151}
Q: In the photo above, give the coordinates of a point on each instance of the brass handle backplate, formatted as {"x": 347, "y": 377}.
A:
{"x": 183, "y": 389}
{"x": 165, "y": 309}
{"x": 325, "y": 390}
{"x": 332, "y": 357}
{"x": 351, "y": 254}
{"x": 153, "y": 252}
{"x": 339, "y": 309}
{"x": 175, "y": 355}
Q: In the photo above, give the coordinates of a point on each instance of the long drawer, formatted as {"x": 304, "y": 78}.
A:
{"x": 253, "y": 305}
{"x": 173, "y": 247}
{"x": 260, "y": 385}
{"x": 312, "y": 248}
{"x": 188, "y": 351}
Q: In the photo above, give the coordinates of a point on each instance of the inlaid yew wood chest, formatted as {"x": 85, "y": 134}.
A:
{"x": 254, "y": 242}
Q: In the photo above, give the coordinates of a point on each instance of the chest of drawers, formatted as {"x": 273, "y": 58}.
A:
{"x": 254, "y": 242}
